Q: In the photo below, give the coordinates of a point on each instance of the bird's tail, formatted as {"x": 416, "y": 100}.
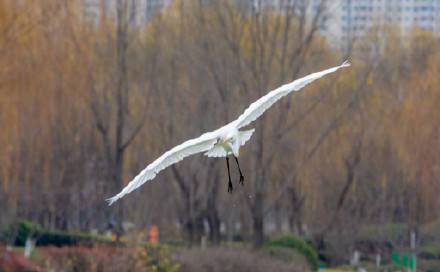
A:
{"x": 244, "y": 136}
{"x": 216, "y": 152}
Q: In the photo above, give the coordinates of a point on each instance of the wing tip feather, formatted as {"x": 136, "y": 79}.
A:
{"x": 346, "y": 64}
{"x": 112, "y": 200}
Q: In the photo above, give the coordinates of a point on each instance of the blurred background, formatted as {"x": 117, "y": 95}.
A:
{"x": 344, "y": 174}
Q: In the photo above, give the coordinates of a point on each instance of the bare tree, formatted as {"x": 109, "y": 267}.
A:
{"x": 112, "y": 110}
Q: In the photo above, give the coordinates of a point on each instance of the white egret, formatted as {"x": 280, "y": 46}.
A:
{"x": 223, "y": 142}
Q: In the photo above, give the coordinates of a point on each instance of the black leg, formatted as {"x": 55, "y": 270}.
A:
{"x": 230, "y": 188}
{"x": 239, "y": 170}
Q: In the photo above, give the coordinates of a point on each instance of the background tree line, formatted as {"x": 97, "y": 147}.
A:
{"x": 86, "y": 105}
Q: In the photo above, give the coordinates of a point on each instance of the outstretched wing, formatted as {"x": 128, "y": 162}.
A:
{"x": 257, "y": 108}
{"x": 176, "y": 154}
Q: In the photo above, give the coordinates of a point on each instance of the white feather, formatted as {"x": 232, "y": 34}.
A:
{"x": 178, "y": 153}
{"x": 244, "y": 136}
{"x": 217, "y": 151}
{"x": 257, "y": 108}
{"x": 223, "y": 141}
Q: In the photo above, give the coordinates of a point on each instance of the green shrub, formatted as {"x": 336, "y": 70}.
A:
{"x": 18, "y": 232}
{"x": 237, "y": 237}
{"x": 23, "y": 229}
{"x": 158, "y": 258}
{"x": 58, "y": 238}
{"x": 430, "y": 252}
{"x": 294, "y": 242}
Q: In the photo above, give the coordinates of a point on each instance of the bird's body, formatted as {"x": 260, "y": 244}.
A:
{"x": 225, "y": 141}
{"x": 228, "y": 141}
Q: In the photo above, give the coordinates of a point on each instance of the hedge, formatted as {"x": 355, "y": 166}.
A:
{"x": 23, "y": 229}
{"x": 297, "y": 243}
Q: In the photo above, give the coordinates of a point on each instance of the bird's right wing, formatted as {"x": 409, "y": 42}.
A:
{"x": 176, "y": 154}
{"x": 257, "y": 108}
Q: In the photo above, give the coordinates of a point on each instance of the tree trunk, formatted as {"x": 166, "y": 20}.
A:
{"x": 214, "y": 226}
{"x": 194, "y": 230}
{"x": 257, "y": 221}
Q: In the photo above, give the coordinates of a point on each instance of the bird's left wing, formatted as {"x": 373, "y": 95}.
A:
{"x": 176, "y": 154}
{"x": 257, "y": 108}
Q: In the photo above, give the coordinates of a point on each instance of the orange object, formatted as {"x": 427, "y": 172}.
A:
{"x": 153, "y": 235}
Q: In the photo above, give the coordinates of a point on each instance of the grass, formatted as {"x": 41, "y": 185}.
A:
{"x": 433, "y": 250}
{"x": 288, "y": 255}
{"x": 429, "y": 265}
{"x": 385, "y": 232}
{"x": 222, "y": 259}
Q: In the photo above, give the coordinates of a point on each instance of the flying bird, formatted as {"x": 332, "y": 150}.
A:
{"x": 223, "y": 142}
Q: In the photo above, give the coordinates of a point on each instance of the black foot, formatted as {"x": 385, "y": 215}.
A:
{"x": 230, "y": 188}
{"x": 241, "y": 180}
